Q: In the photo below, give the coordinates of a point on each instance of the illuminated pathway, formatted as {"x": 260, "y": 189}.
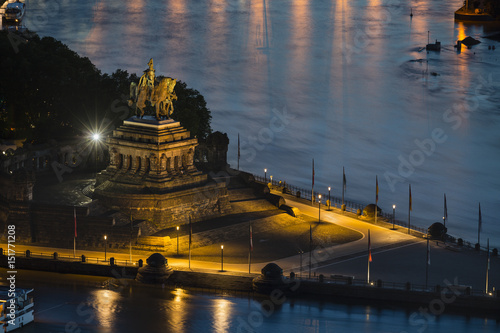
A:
{"x": 397, "y": 257}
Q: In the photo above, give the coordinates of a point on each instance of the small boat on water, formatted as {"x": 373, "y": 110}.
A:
{"x": 14, "y": 12}
{"x": 472, "y": 15}
{"x": 16, "y": 308}
{"x": 433, "y": 47}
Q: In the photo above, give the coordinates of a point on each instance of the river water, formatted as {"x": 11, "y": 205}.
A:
{"x": 343, "y": 82}
{"x": 70, "y": 303}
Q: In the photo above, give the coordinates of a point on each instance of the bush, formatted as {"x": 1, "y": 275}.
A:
{"x": 460, "y": 242}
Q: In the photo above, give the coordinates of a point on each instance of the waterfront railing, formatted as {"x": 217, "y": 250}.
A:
{"x": 351, "y": 206}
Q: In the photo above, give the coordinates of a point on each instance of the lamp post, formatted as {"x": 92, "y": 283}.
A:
{"x": 222, "y": 258}
{"x": 265, "y": 175}
{"x": 96, "y": 137}
{"x": 319, "y": 208}
{"x": 329, "y": 201}
{"x": 177, "y": 240}
{"x": 444, "y": 221}
{"x": 393, "y": 215}
{"x": 271, "y": 179}
{"x": 105, "y": 247}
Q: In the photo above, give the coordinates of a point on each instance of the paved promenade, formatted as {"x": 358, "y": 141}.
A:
{"x": 397, "y": 256}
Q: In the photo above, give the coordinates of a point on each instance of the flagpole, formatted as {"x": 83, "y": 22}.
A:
{"x": 238, "y": 151}
{"x": 130, "y": 238}
{"x": 343, "y": 185}
{"x": 479, "y": 226}
{"x": 369, "y": 257}
{"x": 376, "y": 199}
{"x": 488, "y": 266}
{"x": 310, "y": 249}
{"x": 312, "y": 188}
{"x": 74, "y": 237}
{"x": 250, "y": 248}
{"x": 409, "y": 208}
{"x": 190, "y": 240}
{"x": 427, "y": 263}
{"x": 445, "y": 215}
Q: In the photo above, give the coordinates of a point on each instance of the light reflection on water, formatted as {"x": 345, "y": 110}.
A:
{"x": 106, "y": 304}
{"x": 363, "y": 110}
{"x": 153, "y": 309}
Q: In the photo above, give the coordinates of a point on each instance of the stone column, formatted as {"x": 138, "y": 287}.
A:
{"x": 144, "y": 164}
{"x": 169, "y": 165}
{"x": 153, "y": 163}
{"x": 135, "y": 163}
{"x": 114, "y": 158}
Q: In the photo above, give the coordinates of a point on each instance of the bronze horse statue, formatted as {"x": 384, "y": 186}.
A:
{"x": 161, "y": 97}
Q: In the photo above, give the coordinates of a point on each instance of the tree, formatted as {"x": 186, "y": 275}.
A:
{"x": 48, "y": 91}
{"x": 191, "y": 111}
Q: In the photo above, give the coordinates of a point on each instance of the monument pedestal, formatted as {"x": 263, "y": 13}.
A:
{"x": 152, "y": 176}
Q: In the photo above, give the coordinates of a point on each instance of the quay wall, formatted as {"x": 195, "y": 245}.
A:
{"x": 445, "y": 297}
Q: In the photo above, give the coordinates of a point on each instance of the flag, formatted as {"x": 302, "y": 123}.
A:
{"x": 369, "y": 247}
{"x": 376, "y": 197}
{"x": 428, "y": 252}
{"x": 480, "y": 222}
{"x": 251, "y": 241}
{"x": 190, "y": 231}
{"x": 74, "y": 215}
{"x": 313, "y": 174}
{"x": 410, "y": 197}
{"x": 344, "y": 180}
{"x": 445, "y": 208}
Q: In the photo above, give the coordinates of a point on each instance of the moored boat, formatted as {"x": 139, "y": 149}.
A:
{"x": 16, "y": 307}
{"x": 476, "y": 15}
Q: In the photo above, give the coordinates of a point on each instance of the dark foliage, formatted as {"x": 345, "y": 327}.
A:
{"x": 48, "y": 91}
{"x": 191, "y": 110}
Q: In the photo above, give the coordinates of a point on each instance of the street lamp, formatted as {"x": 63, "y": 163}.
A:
{"x": 444, "y": 221}
{"x": 271, "y": 179}
{"x": 329, "y": 202}
{"x": 105, "y": 246}
{"x": 222, "y": 258}
{"x": 265, "y": 175}
{"x": 96, "y": 137}
{"x": 177, "y": 240}
{"x": 319, "y": 208}
{"x": 393, "y": 215}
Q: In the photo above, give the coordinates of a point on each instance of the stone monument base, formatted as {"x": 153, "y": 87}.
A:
{"x": 152, "y": 176}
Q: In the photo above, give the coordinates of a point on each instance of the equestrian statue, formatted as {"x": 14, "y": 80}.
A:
{"x": 159, "y": 94}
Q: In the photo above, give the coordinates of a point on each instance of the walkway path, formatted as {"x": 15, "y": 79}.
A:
{"x": 397, "y": 256}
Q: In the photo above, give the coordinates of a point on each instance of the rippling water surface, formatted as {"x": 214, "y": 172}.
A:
{"x": 343, "y": 82}
{"x": 147, "y": 309}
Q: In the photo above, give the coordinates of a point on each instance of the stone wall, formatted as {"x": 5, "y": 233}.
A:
{"x": 54, "y": 225}
{"x": 160, "y": 211}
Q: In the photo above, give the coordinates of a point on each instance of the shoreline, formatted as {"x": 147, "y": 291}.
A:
{"x": 447, "y": 299}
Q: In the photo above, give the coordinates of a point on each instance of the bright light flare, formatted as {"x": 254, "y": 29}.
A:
{"x": 96, "y": 137}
